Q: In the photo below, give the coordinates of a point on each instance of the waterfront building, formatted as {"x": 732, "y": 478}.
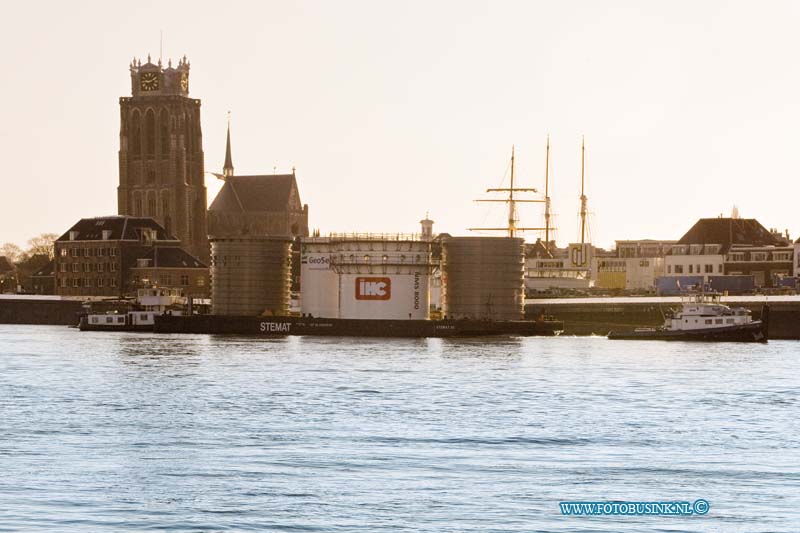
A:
{"x": 43, "y": 280}
{"x": 552, "y": 269}
{"x": 796, "y": 262}
{"x": 8, "y": 275}
{"x": 726, "y": 247}
{"x": 117, "y": 255}
{"x": 161, "y": 172}
{"x": 634, "y": 266}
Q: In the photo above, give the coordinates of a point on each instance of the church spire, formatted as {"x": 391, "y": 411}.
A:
{"x": 227, "y": 170}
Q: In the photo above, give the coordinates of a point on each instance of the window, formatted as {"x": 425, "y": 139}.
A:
{"x": 73, "y": 252}
{"x": 679, "y": 269}
{"x": 758, "y": 256}
{"x": 113, "y": 267}
{"x": 76, "y": 282}
{"x": 729, "y": 321}
{"x": 109, "y": 319}
{"x": 709, "y": 269}
{"x": 87, "y": 282}
{"x": 63, "y": 252}
{"x": 86, "y": 267}
{"x": 669, "y": 269}
{"x": 697, "y": 269}
{"x": 62, "y": 267}
{"x": 718, "y": 321}
{"x": 63, "y": 282}
{"x": 75, "y": 267}
{"x": 736, "y": 256}
{"x": 100, "y": 282}
{"x": 644, "y": 263}
{"x": 112, "y": 252}
{"x": 99, "y": 267}
{"x": 184, "y": 279}
{"x": 201, "y": 281}
{"x": 690, "y": 269}
{"x": 150, "y": 131}
{"x": 113, "y": 282}
{"x": 719, "y": 268}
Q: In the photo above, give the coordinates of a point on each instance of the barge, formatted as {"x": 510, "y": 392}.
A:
{"x": 292, "y": 325}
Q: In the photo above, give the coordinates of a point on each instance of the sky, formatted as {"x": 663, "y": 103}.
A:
{"x": 391, "y": 110}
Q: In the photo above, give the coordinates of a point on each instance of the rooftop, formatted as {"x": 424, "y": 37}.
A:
{"x": 121, "y": 228}
{"x": 241, "y": 194}
{"x": 731, "y": 231}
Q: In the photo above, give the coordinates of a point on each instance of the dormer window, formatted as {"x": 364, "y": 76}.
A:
{"x": 106, "y": 234}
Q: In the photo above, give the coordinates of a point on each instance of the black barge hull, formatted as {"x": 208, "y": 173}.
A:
{"x": 283, "y": 326}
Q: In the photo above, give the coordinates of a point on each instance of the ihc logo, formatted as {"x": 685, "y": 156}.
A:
{"x": 373, "y": 288}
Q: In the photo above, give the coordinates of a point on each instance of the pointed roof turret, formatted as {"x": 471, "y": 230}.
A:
{"x": 227, "y": 170}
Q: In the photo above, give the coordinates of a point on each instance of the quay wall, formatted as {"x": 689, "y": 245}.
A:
{"x": 602, "y": 315}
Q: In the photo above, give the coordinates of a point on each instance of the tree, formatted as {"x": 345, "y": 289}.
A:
{"x": 12, "y": 252}
{"x": 42, "y": 245}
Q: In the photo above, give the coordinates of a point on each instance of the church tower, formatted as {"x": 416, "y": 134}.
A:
{"x": 161, "y": 169}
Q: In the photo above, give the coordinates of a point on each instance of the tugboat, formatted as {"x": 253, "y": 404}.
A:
{"x": 704, "y": 318}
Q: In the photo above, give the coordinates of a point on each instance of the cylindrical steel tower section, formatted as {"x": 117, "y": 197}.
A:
{"x": 483, "y": 278}
{"x": 250, "y": 276}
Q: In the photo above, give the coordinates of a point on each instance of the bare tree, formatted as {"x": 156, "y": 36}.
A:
{"x": 12, "y": 252}
{"x": 42, "y": 245}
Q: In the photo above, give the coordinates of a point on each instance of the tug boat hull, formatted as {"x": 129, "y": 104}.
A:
{"x": 752, "y": 332}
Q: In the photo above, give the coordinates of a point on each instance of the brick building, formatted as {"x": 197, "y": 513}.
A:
{"x": 114, "y": 256}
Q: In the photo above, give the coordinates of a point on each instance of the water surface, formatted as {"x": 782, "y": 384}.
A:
{"x": 123, "y": 431}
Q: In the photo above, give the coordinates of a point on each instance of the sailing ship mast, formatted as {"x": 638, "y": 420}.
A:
{"x": 547, "y": 196}
{"x": 583, "y": 195}
{"x": 512, "y": 202}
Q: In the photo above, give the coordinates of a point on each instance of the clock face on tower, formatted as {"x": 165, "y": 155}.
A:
{"x": 149, "y": 81}
{"x": 184, "y": 82}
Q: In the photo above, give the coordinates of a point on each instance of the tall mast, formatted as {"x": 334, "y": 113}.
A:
{"x": 547, "y": 196}
{"x": 512, "y": 202}
{"x": 512, "y": 216}
{"x": 583, "y": 196}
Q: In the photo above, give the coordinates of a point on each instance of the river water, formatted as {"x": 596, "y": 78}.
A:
{"x": 123, "y": 431}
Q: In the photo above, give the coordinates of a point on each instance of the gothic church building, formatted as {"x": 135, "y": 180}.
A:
{"x": 161, "y": 169}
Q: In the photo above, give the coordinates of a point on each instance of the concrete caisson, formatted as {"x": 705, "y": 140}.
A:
{"x": 250, "y": 275}
{"x": 483, "y": 278}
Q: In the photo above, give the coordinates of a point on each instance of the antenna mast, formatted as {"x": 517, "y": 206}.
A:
{"x": 583, "y": 196}
{"x": 512, "y": 228}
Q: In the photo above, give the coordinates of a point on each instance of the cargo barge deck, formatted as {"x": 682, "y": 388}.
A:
{"x": 283, "y": 326}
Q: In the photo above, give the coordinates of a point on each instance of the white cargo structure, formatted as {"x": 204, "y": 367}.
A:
{"x": 319, "y": 283}
{"x": 366, "y": 276}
